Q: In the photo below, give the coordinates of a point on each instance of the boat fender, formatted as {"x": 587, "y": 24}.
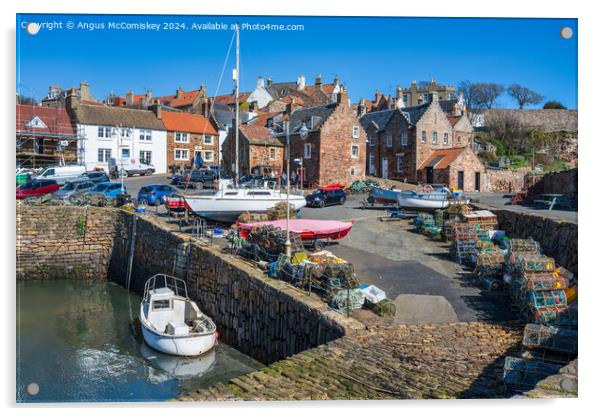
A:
{"x": 428, "y": 189}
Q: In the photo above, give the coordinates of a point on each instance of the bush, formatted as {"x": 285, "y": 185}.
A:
{"x": 554, "y": 105}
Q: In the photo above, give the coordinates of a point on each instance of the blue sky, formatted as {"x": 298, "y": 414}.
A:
{"x": 366, "y": 53}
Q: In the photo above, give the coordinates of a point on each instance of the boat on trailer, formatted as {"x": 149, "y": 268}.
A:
{"x": 171, "y": 322}
{"x": 426, "y": 200}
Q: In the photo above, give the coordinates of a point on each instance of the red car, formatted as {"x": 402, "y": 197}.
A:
{"x": 37, "y": 187}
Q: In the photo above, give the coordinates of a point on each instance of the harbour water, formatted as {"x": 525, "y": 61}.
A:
{"x": 76, "y": 342}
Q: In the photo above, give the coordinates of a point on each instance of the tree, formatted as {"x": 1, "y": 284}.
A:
{"x": 523, "y": 95}
{"x": 479, "y": 96}
{"x": 554, "y": 105}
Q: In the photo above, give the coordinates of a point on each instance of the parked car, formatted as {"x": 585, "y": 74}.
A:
{"x": 322, "y": 197}
{"x": 37, "y": 187}
{"x": 153, "y": 194}
{"x": 96, "y": 176}
{"x": 72, "y": 188}
{"x": 129, "y": 167}
{"x": 24, "y": 175}
{"x": 177, "y": 180}
{"x": 108, "y": 189}
{"x": 199, "y": 178}
{"x": 62, "y": 174}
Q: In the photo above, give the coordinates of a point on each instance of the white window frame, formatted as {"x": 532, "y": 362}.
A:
{"x": 272, "y": 150}
{"x": 182, "y": 152}
{"x": 372, "y": 140}
{"x": 307, "y": 151}
{"x": 389, "y": 139}
{"x": 423, "y": 136}
{"x": 404, "y": 138}
{"x": 126, "y": 132}
{"x": 181, "y": 137}
{"x": 105, "y": 132}
{"x": 208, "y": 136}
{"x": 399, "y": 158}
{"x": 106, "y": 155}
{"x": 355, "y": 146}
{"x": 434, "y": 137}
{"x": 208, "y": 159}
{"x": 355, "y": 132}
{"x": 145, "y": 135}
{"x": 148, "y": 160}
{"x": 125, "y": 149}
{"x": 445, "y": 138}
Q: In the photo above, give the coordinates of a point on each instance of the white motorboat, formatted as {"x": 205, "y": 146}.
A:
{"x": 171, "y": 322}
{"x": 426, "y": 200}
{"x": 226, "y": 204}
{"x": 164, "y": 367}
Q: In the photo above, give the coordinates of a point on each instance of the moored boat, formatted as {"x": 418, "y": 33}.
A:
{"x": 171, "y": 322}
{"x": 383, "y": 196}
{"x": 426, "y": 200}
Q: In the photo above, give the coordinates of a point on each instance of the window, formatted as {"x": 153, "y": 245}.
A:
{"x": 104, "y": 155}
{"x": 146, "y": 156}
{"x": 434, "y": 137}
{"x": 404, "y": 138}
{"x": 352, "y": 171}
{"x": 445, "y": 138}
{"x": 180, "y": 137}
{"x": 372, "y": 141}
{"x": 399, "y": 160}
{"x": 125, "y": 153}
{"x": 425, "y": 97}
{"x": 423, "y": 136}
{"x": 356, "y": 132}
{"x": 355, "y": 151}
{"x": 272, "y": 153}
{"x": 389, "y": 139}
{"x": 208, "y": 140}
{"x": 125, "y": 132}
{"x": 146, "y": 135}
{"x": 405, "y": 99}
{"x": 161, "y": 304}
{"x": 459, "y": 139}
{"x": 180, "y": 154}
{"x": 307, "y": 151}
{"x": 208, "y": 156}
{"x": 104, "y": 132}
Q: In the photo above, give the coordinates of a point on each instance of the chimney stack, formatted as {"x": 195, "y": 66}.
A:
{"x": 361, "y": 108}
{"x": 260, "y": 83}
{"x": 318, "y": 80}
{"x": 179, "y": 92}
{"x": 203, "y": 89}
{"x": 156, "y": 108}
{"x": 343, "y": 98}
{"x": 72, "y": 99}
{"x": 434, "y": 96}
{"x": 269, "y": 81}
{"x": 377, "y": 96}
{"x": 301, "y": 82}
{"x": 84, "y": 91}
{"x": 129, "y": 98}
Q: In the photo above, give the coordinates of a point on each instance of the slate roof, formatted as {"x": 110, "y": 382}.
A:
{"x": 379, "y": 118}
{"x": 262, "y": 118}
{"x": 448, "y": 105}
{"x": 187, "y": 122}
{"x": 259, "y": 135}
{"x": 117, "y": 116}
{"x": 442, "y": 158}
{"x": 57, "y": 120}
{"x": 413, "y": 114}
{"x": 304, "y": 115}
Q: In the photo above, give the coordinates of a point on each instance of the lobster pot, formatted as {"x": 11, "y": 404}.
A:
{"x": 542, "y": 299}
{"x": 538, "y": 263}
{"x": 524, "y": 374}
{"x": 550, "y": 338}
{"x": 439, "y": 217}
{"x": 347, "y": 299}
{"x": 550, "y": 315}
{"x": 523, "y": 245}
{"x": 485, "y": 220}
{"x": 491, "y": 283}
{"x": 463, "y": 251}
{"x": 543, "y": 281}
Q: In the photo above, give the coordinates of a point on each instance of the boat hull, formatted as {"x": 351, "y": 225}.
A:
{"x": 429, "y": 201}
{"x": 384, "y": 196}
{"x": 183, "y": 346}
{"x": 227, "y": 210}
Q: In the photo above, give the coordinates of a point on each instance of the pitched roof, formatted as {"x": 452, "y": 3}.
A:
{"x": 259, "y": 135}
{"x": 56, "y": 121}
{"x": 122, "y": 101}
{"x": 304, "y": 115}
{"x": 187, "y": 122}
{"x": 414, "y": 114}
{"x": 117, "y": 116}
{"x": 442, "y": 158}
{"x": 262, "y": 118}
{"x": 230, "y": 99}
{"x": 448, "y": 105}
{"x": 186, "y": 98}
{"x": 453, "y": 119}
{"x": 379, "y": 118}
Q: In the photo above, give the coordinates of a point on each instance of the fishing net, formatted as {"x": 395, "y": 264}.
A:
{"x": 520, "y": 373}
{"x": 550, "y": 338}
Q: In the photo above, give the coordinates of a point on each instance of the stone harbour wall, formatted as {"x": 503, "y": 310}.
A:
{"x": 506, "y": 180}
{"x": 65, "y": 242}
{"x": 261, "y": 317}
{"x": 554, "y": 183}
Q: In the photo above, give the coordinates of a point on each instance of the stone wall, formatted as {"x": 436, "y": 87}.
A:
{"x": 558, "y": 239}
{"x": 554, "y": 183}
{"x": 59, "y": 242}
{"x": 506, "y": 180}
{"x": 265, "y": 318}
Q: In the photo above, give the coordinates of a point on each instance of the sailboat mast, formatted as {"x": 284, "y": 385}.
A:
{"x": 237, "y": 120}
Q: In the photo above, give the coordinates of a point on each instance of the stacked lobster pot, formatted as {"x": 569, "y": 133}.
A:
{"x": 489, "y": 265}
{"x": 467, "y": 240}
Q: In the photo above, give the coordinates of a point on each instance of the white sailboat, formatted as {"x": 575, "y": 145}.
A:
{"x": 171, "y": 322}
{"x": 229, "y": 202}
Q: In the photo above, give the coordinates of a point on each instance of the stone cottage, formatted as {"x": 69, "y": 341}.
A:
{"x": 190, "y": 136}
{"x": 260, "y": 152}
{"x": 458, "y": 168}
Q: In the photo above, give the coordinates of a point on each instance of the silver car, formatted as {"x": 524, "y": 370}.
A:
{"x": 73, "y": 188}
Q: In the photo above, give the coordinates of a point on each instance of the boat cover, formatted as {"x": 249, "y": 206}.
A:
{"x": 307, "y": 229}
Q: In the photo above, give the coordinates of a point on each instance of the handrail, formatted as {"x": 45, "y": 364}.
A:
{"x": 170, "y": 282}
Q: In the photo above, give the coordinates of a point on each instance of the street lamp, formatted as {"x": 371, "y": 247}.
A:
{"x": 303, "y": 133}
{"x": 287, "y": 244}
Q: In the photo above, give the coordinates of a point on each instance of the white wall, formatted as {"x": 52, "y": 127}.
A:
{"x": 91, "y": 143}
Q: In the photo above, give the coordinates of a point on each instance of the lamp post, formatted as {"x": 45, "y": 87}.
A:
{"x": 287, "y": 243}
{"x": 303, "y": 132}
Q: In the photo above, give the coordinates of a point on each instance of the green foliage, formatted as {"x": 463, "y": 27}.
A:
{"x": 80, "y": 225}
{"x": 245, "y": 106}
{"x": 488, "y": 157}
{"x": 554, "y": 105}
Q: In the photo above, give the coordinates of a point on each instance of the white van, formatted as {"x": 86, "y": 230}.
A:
{"x": 62, "y": 174}
{"x": 130, "y": 167}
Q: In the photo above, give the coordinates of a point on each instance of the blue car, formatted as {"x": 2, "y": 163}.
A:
{"x": 108, "y": 189}
{"x": 153, "y": 194}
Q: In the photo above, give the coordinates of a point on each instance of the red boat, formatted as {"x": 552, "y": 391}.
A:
{"x": 174, "y": 203}
{"x": 309, "y": 230}
{"x": 332, "y": 186}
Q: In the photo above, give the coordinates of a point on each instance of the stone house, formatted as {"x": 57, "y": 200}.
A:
{"x": 259, "y": 151}
{"x": 190, "y": 136}
{"x": 118, "y": 133}
{"x": 334, "y": 149}
{"x": 44, "y": 136}
{"x": 458, "y": 168}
